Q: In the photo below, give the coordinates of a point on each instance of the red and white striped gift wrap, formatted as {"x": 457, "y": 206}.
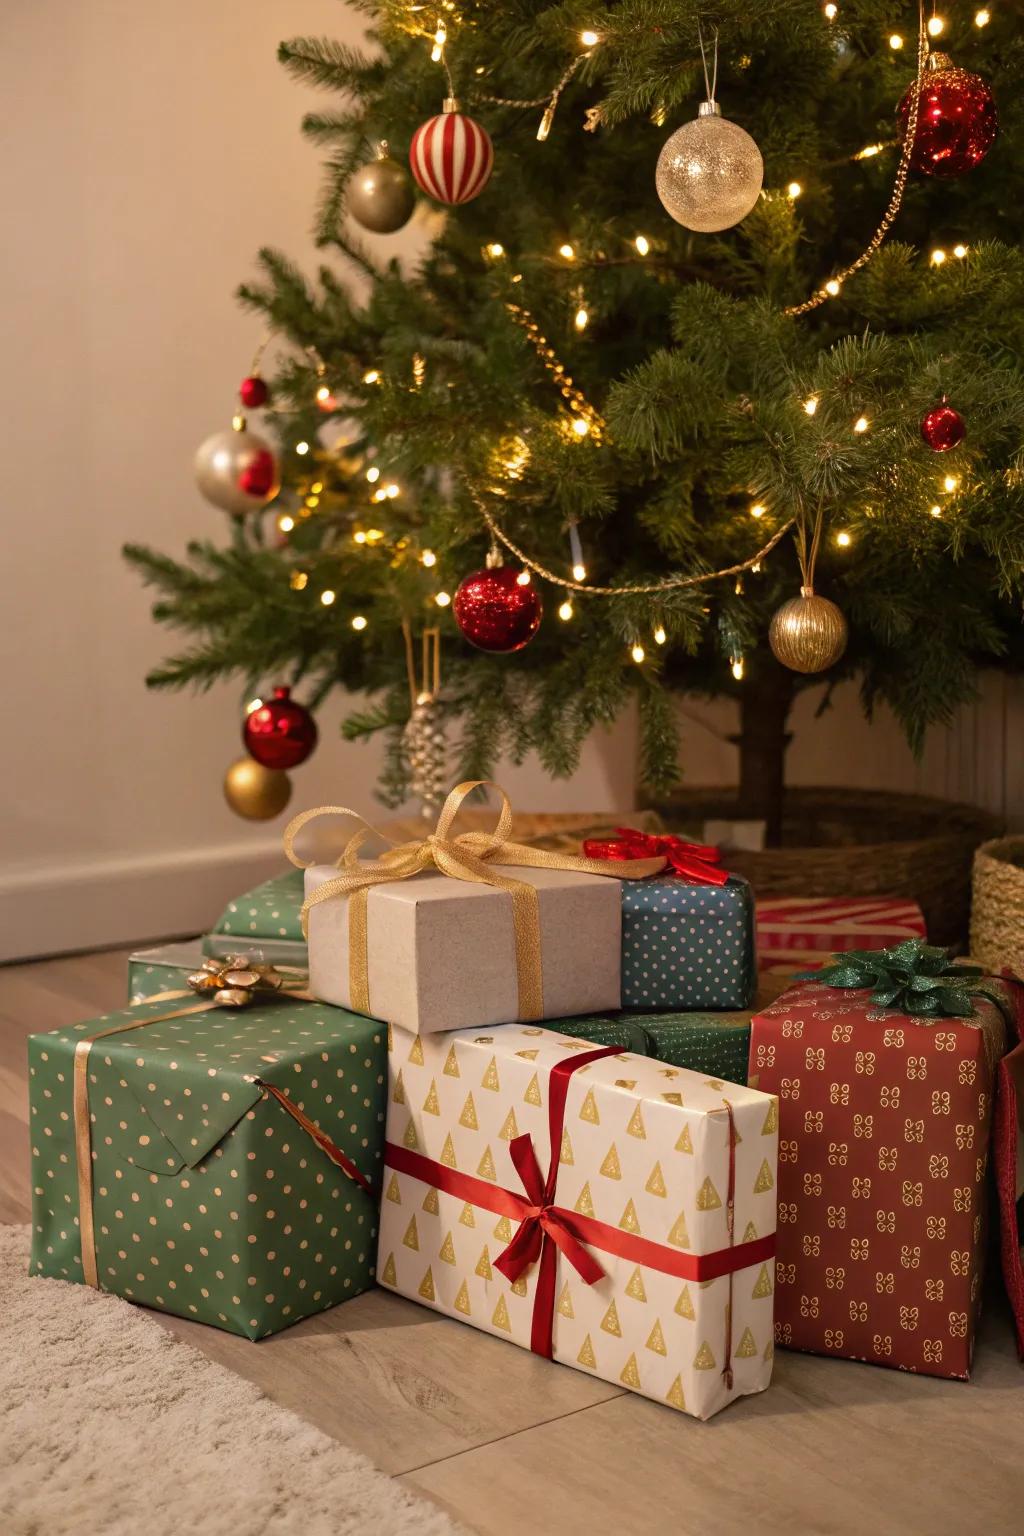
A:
{"x": 451, "y": 158}
{"x": 800, "y": 932}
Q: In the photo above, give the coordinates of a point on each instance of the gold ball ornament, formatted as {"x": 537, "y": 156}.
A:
{"x": 255, "y": 792}
{"x": 808, "y": 633}
{"x": 380, "y": 195}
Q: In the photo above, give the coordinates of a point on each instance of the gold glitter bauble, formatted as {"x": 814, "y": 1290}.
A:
{"x": 255, "y": 792}
{"x": 709, "y": 172}
{"x": 808, "y": 633}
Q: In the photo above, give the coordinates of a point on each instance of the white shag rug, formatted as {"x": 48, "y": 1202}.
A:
{"x": 110, "y": 1427}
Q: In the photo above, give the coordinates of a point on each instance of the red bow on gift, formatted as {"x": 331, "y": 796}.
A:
{"x": 694, "y": 861}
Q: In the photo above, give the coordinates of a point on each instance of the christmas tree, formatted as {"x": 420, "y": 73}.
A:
{"x": 659, "y": 400}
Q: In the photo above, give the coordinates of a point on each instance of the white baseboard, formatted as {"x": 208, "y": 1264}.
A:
{"x": 93, "y": 905}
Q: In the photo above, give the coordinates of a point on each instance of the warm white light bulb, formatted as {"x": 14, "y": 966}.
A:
{"x": 286, "y": 523}
{"x": 566, "y": 251}
{"x": 757, "y": 510}
{"x": 895, "y": 41}
{"x": 523, "y": 579}
{"x": 737, "y": 668}
{"x": 253, "y": 705}
{"x": 936, "y": 26}
{"x": 659, "y": 635}
{"x": 495, "y": 249}
{"x": 442, "y": 599}
{"x": 637, "y": 654}
{"x": 579, "y": 572}
{"x": 642, "y": 244}
{"x": 359, "y": 622}
{"x": 794, "y": 189}
{"x": 391, "y": 491}
{"x": 428, "y": 558}
{"x": 959, "y": 251}
{"x": 811, "y": 405}
{"x": 843, "y": 539}
{"x": 831, "y": 12}
{"x": 301, "y": 447}
{"x": 371, "y": 376}
{"x": 833, "y": 286}
{"x": 581, "y": 319}
{"x": 581, "y": 427}
{"x": 861, "y": 424}
{"x": 589, "y": 39}
{"x": 938, "y": 256}
{"x": 327, "y": 597}
{"x": 373, "y": 474}
{"x": 950, "y": 483}
{"x": 982, "y": 18}
{"x": 565, "y": 611}
{"x": 359, "y": 536}
{"x": 323, "y": 393}
{"x": 935, "y": 511}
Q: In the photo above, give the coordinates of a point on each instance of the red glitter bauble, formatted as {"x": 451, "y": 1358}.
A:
{"x": 496, "y": 611}
{"x": 280, "y": 733}
{"x": 253, "y": 392}
{"x": 943, "y": 428}
{"x": 956, "y": 120}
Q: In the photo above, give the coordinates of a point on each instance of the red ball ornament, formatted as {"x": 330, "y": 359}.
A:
{"x": 497, "y": 610}
{"x": 253, "y": 392}
{"x": 956, "y": 119}
{"x": 451, "y": 156}
{"x": 259, "y": 476}
{"x": 280, "y": 733}
{"x": 942, "y": 428}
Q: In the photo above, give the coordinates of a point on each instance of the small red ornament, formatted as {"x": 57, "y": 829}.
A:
{"x": 259, "y": 477}
{"x": 280, "y": 733}
{"x": 253, "y": 392}
{"x": 496, "y": 610}
{"x": 942, "y": 428}
{"x": 451, "y": 156}
{"x": 956, "y": 119}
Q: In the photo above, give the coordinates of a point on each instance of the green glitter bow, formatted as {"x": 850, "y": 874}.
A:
{"x": 913, "y": 977}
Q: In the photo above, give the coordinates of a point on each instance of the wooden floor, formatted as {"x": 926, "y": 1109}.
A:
{"x": 508, "y": 1443}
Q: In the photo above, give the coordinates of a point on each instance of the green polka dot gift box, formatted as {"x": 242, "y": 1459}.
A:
{"x": 715, "y": 1044}
{"x": 221, "y": 1164}
{"x": 168, "y": 967}
{"x": 687, "y": 946}
{"x": 265, "y": 918}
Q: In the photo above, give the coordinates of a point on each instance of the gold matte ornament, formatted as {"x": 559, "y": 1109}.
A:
{"x": 255, "y": 792}
{"x": 808, "y": 633}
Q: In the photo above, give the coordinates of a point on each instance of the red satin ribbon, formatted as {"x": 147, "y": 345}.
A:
{"x": 546, "y": 1228}
{"x": 694, "y": 861}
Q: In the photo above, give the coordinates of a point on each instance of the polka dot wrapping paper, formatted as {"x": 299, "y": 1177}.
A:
{"x": 687, "y": 946}
{"x": 209, "y": 1200}
{"x": 266, "y": 917}
{"x": 715, "y": 1044}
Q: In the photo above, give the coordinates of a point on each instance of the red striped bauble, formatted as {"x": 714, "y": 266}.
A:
{"x": 451, "y": 157}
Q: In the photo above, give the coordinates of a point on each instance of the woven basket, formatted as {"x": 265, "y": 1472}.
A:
{"x": 997, "y": 909}
{"x": 858, "y": 842}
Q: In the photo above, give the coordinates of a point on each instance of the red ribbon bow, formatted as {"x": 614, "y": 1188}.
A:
{"x": 694, "y": 861}
{"x": 542, "y": 1219}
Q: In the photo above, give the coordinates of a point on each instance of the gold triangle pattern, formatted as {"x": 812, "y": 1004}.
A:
{"x": 708, "y": 1198}
{"x": 656, "y": 1182}
{"x": 387, "y": 1275}
{"x": 769, "y": 1350}
{"x": 461, "y": 1302}
{"x": 685, "y": 1142}
{"x": 684, "y": 1306}
{"x": 629, "y": 1375}
{"x": 398, "y": 1092}
{"x": 416, "y": 1054}
{"x": 635, "y": 1288}
{"x": 426, "y": 1287}
{"x": 509, "y": 1130}
{"x": 763, "y": 1285}
{"x": 771, "y": 1119}
{"x": 628, "y": 1221}
{"x": 410, "y": 1139}
{"x": 673, "y": 1098}
{"x": 656, "y": 1339}
{"x": 532, "y": 1094}
{"x": 610, "y": 1321}
{"x": 411, "y": 1238}
{"x": 764, "y": 1180}
{"x": 625, "y": 1082}
{"x": 636, "y": 1125}
{"x": 430, "y": 1104}
{"x": 503, "y": 1231}
{"x": 749, "y": 1232}
{"x": 565, "y": 1302}
{"x": 467, "y": 1218}
{"x": 528, "y": 1055}
{"x": 704, "y": 1359}
{"x": 431, "y": 1203}
{"x": 566, "y": 1156}
{"x": 451, "y": 1064}
{"x": 588, "y": 1110}
{"x": 501, "y": 1318}
{"x": 468, "y": 1116}
{"x": 610, "y": 1167}
{"x": 746, "y": 1348}
{"x": 584, "y": 1204}
{"x": 485, "y": 1167}
{"x": 393, "y": 1193}
{"x": 490, "y": 1077}
{"x": 519, "y": 1287}
{"x": 448, "y": 1152}
{"x": 674, "y": 1395}
{"x": 483, "y": 1265}
{"x": 447, "y": 1251}
{"x": 679, "y": 1237}
{"x": 586, "y": 1354}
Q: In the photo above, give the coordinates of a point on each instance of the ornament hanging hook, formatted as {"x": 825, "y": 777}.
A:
{"x": 710, "y": 85}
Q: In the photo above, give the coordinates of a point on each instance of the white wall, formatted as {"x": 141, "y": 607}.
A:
{"x": 146, "y": 153}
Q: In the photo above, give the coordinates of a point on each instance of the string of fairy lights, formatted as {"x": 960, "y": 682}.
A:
{"x": 581, "y": 421}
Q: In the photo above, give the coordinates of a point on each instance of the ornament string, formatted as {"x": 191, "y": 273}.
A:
{"x": 431, "y": 664}
{"x": 830, "y": 289}
{"x": 667, "y": 583}
{"x": 709, "y": 85}
{"x": 808, "y": 558}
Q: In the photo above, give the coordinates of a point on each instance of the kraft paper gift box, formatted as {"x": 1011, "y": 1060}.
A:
{"x": 716, "y": 1044}
{"x": 593, "y": 1205}
{"x": 801, "y": 933}
{"x": 222, "y": 1165}
{"x": 267, "y": 919}
{"x": 884, "y": 1140}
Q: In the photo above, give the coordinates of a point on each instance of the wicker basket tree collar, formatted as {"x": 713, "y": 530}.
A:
{"x": 997, "y": 909}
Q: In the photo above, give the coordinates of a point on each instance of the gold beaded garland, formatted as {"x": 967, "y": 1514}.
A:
{"x": 808, "y": 633}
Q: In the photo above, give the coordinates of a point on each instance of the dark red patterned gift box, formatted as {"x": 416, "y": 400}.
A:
{"x": 884, "y": 1125}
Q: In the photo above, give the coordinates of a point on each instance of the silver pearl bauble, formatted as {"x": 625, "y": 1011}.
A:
{"x": 808, "y": 633}
{"x": 709, "y": 172}
{"x": 426, "y": 749}
{"x": 380, "y": 197}
{"x": 237, "y": 471}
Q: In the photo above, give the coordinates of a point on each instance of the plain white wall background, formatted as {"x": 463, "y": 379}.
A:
{"x": 146, "y": 153}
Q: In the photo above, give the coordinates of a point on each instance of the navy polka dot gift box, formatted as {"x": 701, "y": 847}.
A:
{"x": 687, "y": 946}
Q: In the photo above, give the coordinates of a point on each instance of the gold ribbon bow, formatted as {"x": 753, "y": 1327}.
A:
{"x": 462, "y": 856}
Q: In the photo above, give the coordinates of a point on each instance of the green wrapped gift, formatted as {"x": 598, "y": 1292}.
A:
{"x": 151, "y": 972}
{"x": 717, "y": 1044}
{"x": 217, "y": 1163}
{"x": 265, "y": 919}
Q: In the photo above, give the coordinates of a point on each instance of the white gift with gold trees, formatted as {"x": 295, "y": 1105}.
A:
{"x": 463, "y": 929}
{"x": 603, "y": 1209}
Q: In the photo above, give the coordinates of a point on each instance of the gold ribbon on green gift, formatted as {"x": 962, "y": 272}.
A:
{"x": 460, "y": 856}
